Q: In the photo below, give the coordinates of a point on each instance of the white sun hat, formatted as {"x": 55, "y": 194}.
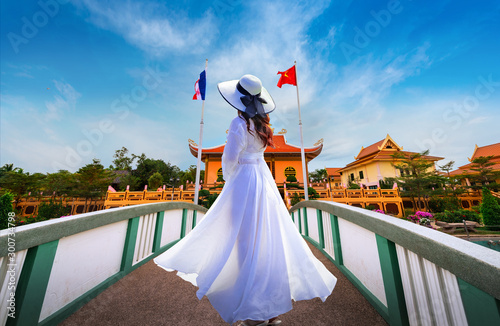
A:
{"x": 247, "y": 95}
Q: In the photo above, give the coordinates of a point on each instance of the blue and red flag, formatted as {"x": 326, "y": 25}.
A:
{"x": 200, "y": 86}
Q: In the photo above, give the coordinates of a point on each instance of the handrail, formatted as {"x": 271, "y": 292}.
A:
{"x": 474, "y": 264}
{"x": 35, "y": 234}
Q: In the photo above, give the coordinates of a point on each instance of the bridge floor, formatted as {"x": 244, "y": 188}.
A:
{"x": 151, "y": 296}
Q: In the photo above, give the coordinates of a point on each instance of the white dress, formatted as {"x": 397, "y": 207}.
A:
{"x": 246, "y": 255}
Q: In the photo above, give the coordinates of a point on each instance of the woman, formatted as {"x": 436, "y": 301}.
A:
{"x": 246, "y": 255}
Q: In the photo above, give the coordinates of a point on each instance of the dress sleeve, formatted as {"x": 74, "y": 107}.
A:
{"x": 236, "y": 143}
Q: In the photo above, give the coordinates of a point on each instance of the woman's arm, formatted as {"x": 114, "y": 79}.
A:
{"x": 236, "y": 143}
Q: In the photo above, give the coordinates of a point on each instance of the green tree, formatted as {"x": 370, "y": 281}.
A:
{"x": 92, "y": 181}
{"x": 5, "y": 208}
{"x": 386, "y": 183}
{"x": 52, "y": 209}
{"x": 318, "y": 175}
{"x": 140, "y": 158}
{"x": 155, "y": 181}
{"x": 416, "y": 178}
{"x": 449, "y": 187}
{"x": 483, "y": 174}
{"x": 190, "y": 174}
{"x": 490, "y": 209}
{"x": 128, "y": 180}
{"x": 122, "y": 161}
{"x": 8, "y": 167}
{"x": 147, "y": 167}
{"x": 20, "y": 183}
{"x": 61, "y": 183}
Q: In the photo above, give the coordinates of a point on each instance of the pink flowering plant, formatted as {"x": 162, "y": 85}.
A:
{"x": 421, "y": 218}
{"x": 379, "y": 211}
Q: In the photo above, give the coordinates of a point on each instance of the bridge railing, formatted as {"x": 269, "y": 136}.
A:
{"x": 411, "y": 274}
{"x": 50, "y": 269}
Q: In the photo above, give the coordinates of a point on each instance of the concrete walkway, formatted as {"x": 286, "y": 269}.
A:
{"x": 151, "y": 296}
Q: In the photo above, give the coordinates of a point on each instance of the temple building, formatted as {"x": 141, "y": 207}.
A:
{"x": 334, "y": 178}
{"x": 374, "y": 163}
{"x": 283, "y": 160}
{"x": 484, "y": 151}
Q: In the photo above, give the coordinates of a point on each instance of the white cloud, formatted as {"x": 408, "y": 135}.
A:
{"x": 63, "y": 102}
{"x": 151, "y": 27}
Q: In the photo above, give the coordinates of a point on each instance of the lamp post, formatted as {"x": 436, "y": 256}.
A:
{"x": 173, "y": 181}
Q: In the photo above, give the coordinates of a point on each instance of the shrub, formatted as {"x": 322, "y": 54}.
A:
{"x": 208, "y": 199}
{"x": 458, "y": 216}
{"x": 379, "y": 211}
{"x": 295, "y": 199}
{"x": 202, "y": 197}
{"x": 370, "y": 207}
{"x": 51, "y": 210}
{"x": 437, "y": 204}
{"x": 294, "y": 185}
{"x": 291, "y": 178}
{"x": 353, "y": 185}
{"x": 386, "y": 184}
{"x": 5, "y": 208}
{"x": 155, "y": 181}
{"x": 409, "y": 211}
{"x": 490, "y": 208}
{"x": 313, "y": 194}
{"x": 203, "y": 193}
{"x": 211, "y": 199}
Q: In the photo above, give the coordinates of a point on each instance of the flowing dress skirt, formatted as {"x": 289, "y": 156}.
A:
{"x": 246, "y": 255}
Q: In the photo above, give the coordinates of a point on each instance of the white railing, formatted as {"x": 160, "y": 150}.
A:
{"x": 58, "y": 265}
{"x": 411, "y": 274}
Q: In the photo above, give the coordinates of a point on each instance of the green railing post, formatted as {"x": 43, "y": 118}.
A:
{"x": 337, "y": 248}
{"x": 32, "y": 284}
{"x": 480, "y": 307}
{"x": 129, "y": 247}
{"x": 184, "y": 221}
{"x": 320, "y": 229}
{"x": 300, "y": 221}
{"x": 158, "y": 230}
{"x": 306, "y": 227}
{"x": 194, "y": 219}
{"x": 393, "y": 286}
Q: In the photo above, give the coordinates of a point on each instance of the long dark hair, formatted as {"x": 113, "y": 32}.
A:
{"x": 262, "y": 127}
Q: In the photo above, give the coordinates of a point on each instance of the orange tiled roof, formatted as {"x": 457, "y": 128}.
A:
{"x": 370, "y": 149}
{"x": 489, "y": 150}
{"x": 467, "y": 168}
{"x": 280, "y": 146}
{"x": 333, "y": 171}
{"x": 386, "y": 155}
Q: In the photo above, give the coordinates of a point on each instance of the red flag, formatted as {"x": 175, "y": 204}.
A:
{"x": 287, "y": 77}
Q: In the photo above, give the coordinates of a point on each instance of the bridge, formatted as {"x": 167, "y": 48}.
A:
{"x": 96, "y": 268}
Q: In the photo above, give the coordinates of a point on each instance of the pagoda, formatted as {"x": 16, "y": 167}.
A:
{"x": 492, "y": 151}
{"x": 283, "y": 160}
{"x": 375, "y": 163}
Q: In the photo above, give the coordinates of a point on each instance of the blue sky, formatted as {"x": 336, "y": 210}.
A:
{"x": 80, "y": 79}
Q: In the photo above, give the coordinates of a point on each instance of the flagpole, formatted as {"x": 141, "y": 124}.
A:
{"x": 198, "y": 163}
{"x": 304, "y": 172}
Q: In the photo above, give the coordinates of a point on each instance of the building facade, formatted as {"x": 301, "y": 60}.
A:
{"x": 374, "y": 163}
{"x": 283, "y": 160}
